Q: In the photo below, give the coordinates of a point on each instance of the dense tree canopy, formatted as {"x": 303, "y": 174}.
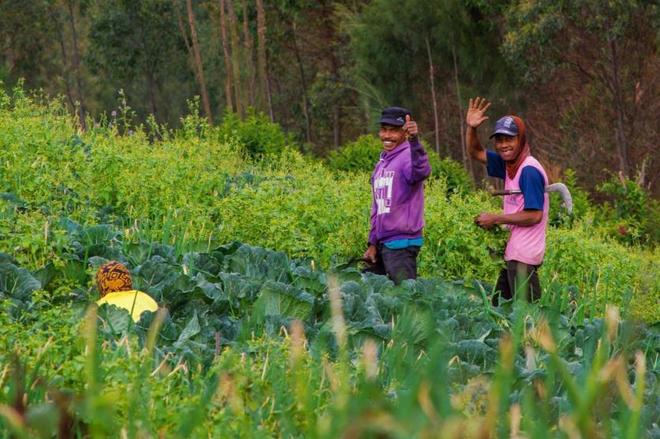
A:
{"x": 583, "y": 74}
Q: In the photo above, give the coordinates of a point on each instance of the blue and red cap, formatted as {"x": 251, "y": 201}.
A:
{"x": 507, "y": 126}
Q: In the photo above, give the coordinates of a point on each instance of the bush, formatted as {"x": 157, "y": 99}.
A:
{"x": 632, "y": 214}
{"x": 358, "y": 155}
{"x": 602, "y": 271}
{"x": 256, "y": 133}
{"x": 457, "y": 179}
{"x": 454, "y": 247}
{"x": 300, "y": 207}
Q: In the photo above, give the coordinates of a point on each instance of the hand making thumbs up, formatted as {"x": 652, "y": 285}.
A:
{"x": 410, "y": 127}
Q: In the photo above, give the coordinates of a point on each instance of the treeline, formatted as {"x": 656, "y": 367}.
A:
{"x": 583, "y": 74}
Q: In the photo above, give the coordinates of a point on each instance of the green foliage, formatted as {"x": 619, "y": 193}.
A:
{"x": 389, "y": 46}
{"x": 634, "y": 214}
{"x": 601, "y": 271}
{"x": 33, "y": 59}
{"x": 135, "y": 48}
{"x": 558, "y": 215}
{"x": 358, "y": 155}
{"x": 16, "y": 283}
{"x": 255, "y": 132}
{"x": 192, "y": 192}
{"x": 539, "y": 33}
{"x": 457, "y": 180}
{"x": 298, "y": 342}
{"x": 454, "y": 246}
{"x": 532, "y": 23}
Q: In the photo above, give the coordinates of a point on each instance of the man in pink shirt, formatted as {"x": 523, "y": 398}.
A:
{"x": 525, "y": 214}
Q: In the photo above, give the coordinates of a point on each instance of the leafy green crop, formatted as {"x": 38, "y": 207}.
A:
{"x": 228, "y": 308}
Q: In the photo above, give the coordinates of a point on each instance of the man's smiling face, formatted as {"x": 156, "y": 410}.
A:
{"x": 507, "y": 147}
{"x": 391, "y": 136}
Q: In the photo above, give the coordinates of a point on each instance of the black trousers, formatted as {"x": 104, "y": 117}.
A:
{"x": 518, "y": 277}
{"x": 398, "y": 264}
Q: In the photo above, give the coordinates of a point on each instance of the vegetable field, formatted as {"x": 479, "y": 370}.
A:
{"x": 267, "y": 326}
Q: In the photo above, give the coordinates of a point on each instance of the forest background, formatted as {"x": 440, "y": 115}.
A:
{"x": 583, "y": 74}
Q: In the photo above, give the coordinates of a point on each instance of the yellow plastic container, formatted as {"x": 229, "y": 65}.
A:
{"x": 133, "y": 301}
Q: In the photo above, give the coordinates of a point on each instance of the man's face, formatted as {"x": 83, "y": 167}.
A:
{"x": 507, "y": 147}
{"x": 391, "y": 136}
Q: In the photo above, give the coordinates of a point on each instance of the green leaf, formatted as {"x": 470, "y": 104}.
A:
{"x": 475, "y": 351}
{"x": 46, "y": 274}
{"x": 191, "y": 330}
{"x": 212, "y": 291}
{"x": 278, "y": 299}
{"x": 118, "y": 320}
{"x": 204, "y": 263}
{"x": 17, "y": 283}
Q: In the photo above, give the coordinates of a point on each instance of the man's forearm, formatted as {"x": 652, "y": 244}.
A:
{"x": 419, "y": 161}
{"x": 473, "y": 146}
{"x": 524, "y": 218}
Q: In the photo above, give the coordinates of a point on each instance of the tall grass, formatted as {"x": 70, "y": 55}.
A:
{"x": 293, "y": 386}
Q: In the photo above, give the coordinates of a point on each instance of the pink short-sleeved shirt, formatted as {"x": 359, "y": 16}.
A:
{"x": 526, "y": 243}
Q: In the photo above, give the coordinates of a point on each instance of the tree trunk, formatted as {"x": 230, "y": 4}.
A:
{"x": 436, "y": 124}
{"x": 445, "y": 112}
{"x": 227, "y": 58}
{"x": 182, "y": 28}
{"x": 336, "y": 107}
{"x": 152, "y": 86}
{"x": 65, "y": 64}
{"x": 261, "y": 54}
{"x": 620, "y": 135}
{"x": 262, "y": 66}
{"x": 303, "y": 83}
{"x": 149, "y": 73}
{"x": 235, "y": 58}
{"x": 336, "y": 125}
{"x": 199, "y": 67}
{"x": 466, "y": 161}
{"x": 271, "y": 113}
{"x": 249, "y": 56}
{"x": 76, "y": 67}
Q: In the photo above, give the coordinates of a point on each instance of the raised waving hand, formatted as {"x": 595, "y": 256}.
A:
{"x": 476, "y": 114}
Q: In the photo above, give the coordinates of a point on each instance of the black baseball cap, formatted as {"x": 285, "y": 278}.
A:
{"x": 395, "y": 116}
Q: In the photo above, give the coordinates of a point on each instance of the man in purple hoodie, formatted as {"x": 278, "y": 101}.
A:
{"x": 397, "y": 209}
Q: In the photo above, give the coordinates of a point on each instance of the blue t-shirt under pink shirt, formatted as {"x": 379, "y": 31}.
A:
{"x": 532, "y": 183}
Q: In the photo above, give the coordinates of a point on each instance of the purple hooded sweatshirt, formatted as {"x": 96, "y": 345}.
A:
{"x": 397, "y": 210}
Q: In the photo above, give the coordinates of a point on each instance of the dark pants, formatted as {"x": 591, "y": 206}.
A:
{"x": 518, "y": 277}
{"x": 398, "y": 264}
